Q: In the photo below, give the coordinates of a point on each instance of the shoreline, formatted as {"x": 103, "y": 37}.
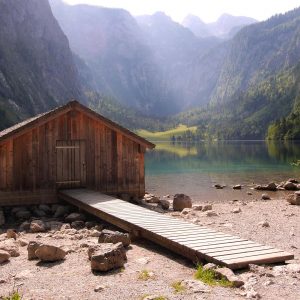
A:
{"x": 242, "y": 218}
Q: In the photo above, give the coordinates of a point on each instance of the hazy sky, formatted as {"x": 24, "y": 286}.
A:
{"x": 207, "y": 10}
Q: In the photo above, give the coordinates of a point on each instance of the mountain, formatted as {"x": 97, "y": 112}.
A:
{"x": 37, "y": 71}
{"x": 113, "y": 48}
{"x": 225, "y": 27}
{"x": 176, "y": 51}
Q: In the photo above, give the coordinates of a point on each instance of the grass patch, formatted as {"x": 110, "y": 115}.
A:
{"x": 210, "y": 277}
{"x": 166, "y": 135}
{"x": 144, "y": 275}
{"x": 12, "y": 296}
{"x": 156, "y": 298}
{"x": 178, "y": 287}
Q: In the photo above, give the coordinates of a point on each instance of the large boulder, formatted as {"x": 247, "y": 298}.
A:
{"x": 290, "y": 186}
{"x": 4, "y": 256}
{"x": 11, "y": 234}
{"x": 269, "y": 187}
{"x": 73, "y": 217}
{"x": 10, "y": 246}
{"x": 294, "y": 199}
{"x": 37, "y": 226}
{"x": 50, "y": 253}
{"x": 31, "y": 248}
{"x": 109, "y": 236}
{"x": 181, "y": 201}
{"x": 108, "y": 257}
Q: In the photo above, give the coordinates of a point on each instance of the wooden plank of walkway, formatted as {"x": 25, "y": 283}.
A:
{"x": 192, "y": 241}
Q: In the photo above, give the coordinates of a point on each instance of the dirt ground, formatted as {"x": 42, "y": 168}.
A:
{"x": 73, "y": 278}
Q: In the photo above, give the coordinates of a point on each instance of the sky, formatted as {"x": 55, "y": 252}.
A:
{"x": 207, "y": 10}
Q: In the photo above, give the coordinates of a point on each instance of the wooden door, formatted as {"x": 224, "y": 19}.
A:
{"x": 70, "y": 164}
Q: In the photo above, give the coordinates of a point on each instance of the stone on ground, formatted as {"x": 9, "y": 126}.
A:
{"x": 31, "y": 248}
{"x": 181, "y": 201}
{"x": 50, "y": 253}
{"x": 37, "y": 226}
{"x": 11, "y": 234}
{"x": 230, "y": 276}
{"x": 294, "y": 199}
{"x": 108, "y": 257}
{"x": 237, "y": 187}
{"x": 165, "y": 204}
{"x": 4, "y": 256}
{"x": 11, "y": 247}
{"x": 109, "y": 236}
{"x": 23, "y": 214}
{"x": 265, "y": 197}
{"x": 206, "y": 207}
{"x": 73, "y": 217}
{"x": 289, "y": 186}
{"x": 78, "y": 225}
{"x": 195, "y": 286}
{"x": 60, "y": 211}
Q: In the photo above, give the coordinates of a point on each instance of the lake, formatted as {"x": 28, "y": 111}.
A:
{"x": 193, "y": 169}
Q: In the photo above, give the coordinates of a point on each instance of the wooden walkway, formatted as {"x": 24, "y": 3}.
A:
{"x": 192, "y": 241}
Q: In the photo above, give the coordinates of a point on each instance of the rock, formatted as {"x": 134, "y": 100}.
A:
{"x": 252, "y": 295}
{"x": 230, "y": 276}
{"x": 150, "y": 198}
{"x": 237, "y": 187}
{"x": 264, "y": 224}
{"x": 2, "y": 217}
{"x": 293, "y": 180}
{"x": 4, "y": 256}
{"x": 289, "y": 186}
{"x": 39, "y": 213}
{"x": 236, "y": 210}
{"x": 61, "y": 211}
{"x": 45, "y": 208}
{"x": 197, "y": 207}
{"x": 109, "y": 257}
{"x": 78, "y": 225}
{"x": 25, "y": 226}
{"x": 11, "y": 247}
{"x": 211, "y": 213}
{"x": 90, "y": 224}
{"x": 25, "y": 274}
{"x": 65, "y": 226}
{"x": 294, "y": 199}
{"x": 249, "y": 193}
{"x": 265, "y": 197}
{"x": 165, "y": 204}
{"x": 37, "y": 226}
{"x": 31, "y": 248}
{"x": 23, "y": 242}
{"x": 50, "y": 253}
{"x": 11, "y": 234}
{"x": 23, "y": 214}
{"x": 269, "y": 187}
{"x": 293, "y": 268}
{"x": 195, "y": 286}
{"x": 185, "y": 211}
{"x": 94, "y": 233}
{"x": 181, "y": 201}
{"x": 99, "y": 288}
{"x": 73, "y": 217}
{"x": 54, "y": 225}
{"x": 218, "y": 186}
{"x": 206, "y": 207}
{"x": 109, "y": 236}
{"x": 209, "y": 266}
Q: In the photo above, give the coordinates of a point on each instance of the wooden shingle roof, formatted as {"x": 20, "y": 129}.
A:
{"x": 43, "y": 117}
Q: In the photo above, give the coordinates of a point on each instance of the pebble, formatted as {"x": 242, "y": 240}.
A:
{"x": 236, "y": 210}
{"x": 99, "y": 288}
{"x": 265, "y": 197}
{"x": 264, "y": 224}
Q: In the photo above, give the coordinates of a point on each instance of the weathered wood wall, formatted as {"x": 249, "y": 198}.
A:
{"x": 114, "y": 163}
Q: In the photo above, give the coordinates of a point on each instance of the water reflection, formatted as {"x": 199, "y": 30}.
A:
{"x": 188, "y": 167}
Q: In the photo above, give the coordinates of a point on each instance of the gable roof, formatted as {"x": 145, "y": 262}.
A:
{"x": 44, "y": 117}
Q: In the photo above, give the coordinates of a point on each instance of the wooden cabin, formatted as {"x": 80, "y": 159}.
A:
{"x": 69, "y": 147}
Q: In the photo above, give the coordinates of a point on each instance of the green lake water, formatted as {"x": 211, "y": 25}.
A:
{"x": 194, "y": 168}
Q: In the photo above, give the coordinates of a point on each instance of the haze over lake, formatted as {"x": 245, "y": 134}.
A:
{"x": 194, "y": 168}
